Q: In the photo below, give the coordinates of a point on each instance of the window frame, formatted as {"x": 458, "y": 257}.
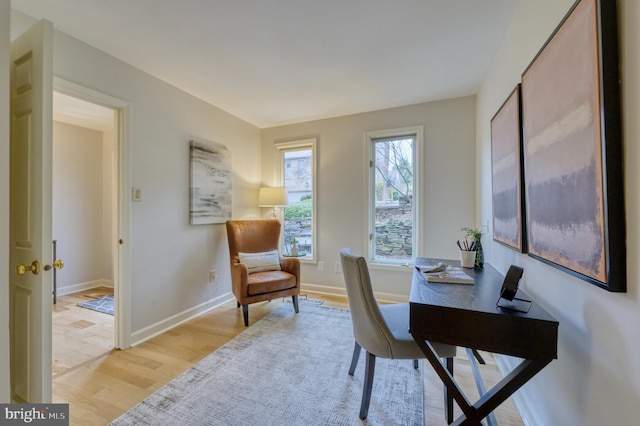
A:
{"x": 299, "y": 145}
{"x": 370, "y": 194}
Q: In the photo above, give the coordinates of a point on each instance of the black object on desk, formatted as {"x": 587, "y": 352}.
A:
{"x": 467, "y": 316}
{"x": 508, "y": 299}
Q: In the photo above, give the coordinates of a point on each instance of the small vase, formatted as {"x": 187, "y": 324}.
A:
{"x": 294, "y": 249}
{"x": 479, "y": 256}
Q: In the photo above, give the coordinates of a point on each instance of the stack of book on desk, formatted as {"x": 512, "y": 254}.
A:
{"x": 442, "y": 273}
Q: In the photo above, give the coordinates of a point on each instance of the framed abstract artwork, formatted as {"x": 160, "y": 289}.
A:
{"x": 573, "y": 149}
{"x": 210, "y": 185}
{"x": 507, "y": 174}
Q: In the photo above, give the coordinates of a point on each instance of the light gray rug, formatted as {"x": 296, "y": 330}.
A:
{"x": 102, "y": 304}
{"x": 286, "y": 369}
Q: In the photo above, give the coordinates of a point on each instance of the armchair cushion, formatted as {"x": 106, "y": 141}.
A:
{"x": 259, "y": 262}
{"x": 269, "y": 281}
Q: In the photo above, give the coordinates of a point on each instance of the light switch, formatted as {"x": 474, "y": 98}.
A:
{"x": 136, "y": 194}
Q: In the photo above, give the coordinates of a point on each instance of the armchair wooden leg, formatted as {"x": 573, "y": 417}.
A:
{"x": 368, "y": 385}
{"x": 238, "y": 304}
{"x": 245, "y": 314}
{"x": 354, "y": 358}
{"x": 415, "y": 364}
{"x": 448, "y": 398}
{"x": 295, "y": 303}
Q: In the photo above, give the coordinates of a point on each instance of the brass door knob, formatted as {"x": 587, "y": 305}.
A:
{"x": 23, "y": 269}
{"x": 58, "y": 264}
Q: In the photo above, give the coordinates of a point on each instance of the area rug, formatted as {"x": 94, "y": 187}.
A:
{"x": 102, "y": 304}
{"x": 286, "y": 369}
{"x": 303, "y": 299}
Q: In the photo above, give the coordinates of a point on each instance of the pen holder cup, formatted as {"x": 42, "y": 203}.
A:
{"x": 467, "y": 258}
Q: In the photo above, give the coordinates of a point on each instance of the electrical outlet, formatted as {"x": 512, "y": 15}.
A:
{"x": 338, "y": 267}
{"x": 320, "y": 266}
{"x": 212, "y": 276}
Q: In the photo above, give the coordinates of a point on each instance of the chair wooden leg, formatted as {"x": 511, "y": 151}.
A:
{"x": 238, "y": 304}
{"x": 295, "y": 303}
{"x": 368, "y": 385}
{"x": 448, "y": 398}
{"x": 245, "y": 314}
{"x": 415, "y": 364}
{"x": 354, "y": 358}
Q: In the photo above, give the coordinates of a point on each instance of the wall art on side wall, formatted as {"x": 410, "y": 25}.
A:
{"x": 506, "y": 174}
{"x": 210, "y": 182}
{"x": 573, "y": 148}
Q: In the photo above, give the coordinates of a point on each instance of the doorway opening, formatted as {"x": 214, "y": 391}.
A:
{"x": 84, "y": 218}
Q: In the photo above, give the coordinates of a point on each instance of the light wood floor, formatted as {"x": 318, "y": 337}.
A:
{"x": 101, "y": 383}
{"x": 79, "y": 334}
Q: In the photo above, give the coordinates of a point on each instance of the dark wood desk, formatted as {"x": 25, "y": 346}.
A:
{"x": 467, "y": 316}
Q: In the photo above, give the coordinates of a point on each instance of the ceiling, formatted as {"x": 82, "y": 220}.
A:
{"x": 75, "y": 111}
{"x": 275, "y": 62}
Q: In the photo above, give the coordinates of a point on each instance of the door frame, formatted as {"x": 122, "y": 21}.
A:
{"x": 5, "y": 61}
{"x": 121, "y": 207}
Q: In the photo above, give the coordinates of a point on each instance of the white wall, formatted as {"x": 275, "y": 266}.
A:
{"x": 79, "y": 213}
{"x": 596, "y": 379}
{"x": 4, "y": 200}
{"x": 448, "y": 198}
{"x": 170, "y": 259}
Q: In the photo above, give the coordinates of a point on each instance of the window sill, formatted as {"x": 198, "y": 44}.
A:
{"x": 391, "y": 266}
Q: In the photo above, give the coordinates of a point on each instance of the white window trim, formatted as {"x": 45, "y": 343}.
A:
{"x": 305, "y": 143}
{"x": 418, "y": 218}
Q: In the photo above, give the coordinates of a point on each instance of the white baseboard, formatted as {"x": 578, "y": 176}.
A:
{"x": 381, "y": 297}
{"x": 325, "y": 289}
{"x": 180, "y": 318}
{"x": 167, "y": 324}
{"x": 522, "y": 402}
{"x": 74, "y": 288}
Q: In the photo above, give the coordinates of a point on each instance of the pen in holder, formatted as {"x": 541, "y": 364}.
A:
{"x": 508, "y": 299}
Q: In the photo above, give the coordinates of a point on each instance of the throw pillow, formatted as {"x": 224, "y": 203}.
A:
{"x": 259, "y": 262}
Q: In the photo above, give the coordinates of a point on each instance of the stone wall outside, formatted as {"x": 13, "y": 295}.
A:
{"x": 393, "y": 231}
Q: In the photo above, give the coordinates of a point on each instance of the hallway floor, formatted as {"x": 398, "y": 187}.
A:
{"x": 80, "y": 334}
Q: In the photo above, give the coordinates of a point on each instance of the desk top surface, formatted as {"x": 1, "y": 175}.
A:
{"x": 466, "y": 315}
{"x": 481, "y": 296}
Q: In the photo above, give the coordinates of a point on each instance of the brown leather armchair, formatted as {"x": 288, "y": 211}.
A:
{"x": 253, "y": 237}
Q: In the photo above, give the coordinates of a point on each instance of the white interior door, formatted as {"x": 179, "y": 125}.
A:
{"x": 30, "y": 217}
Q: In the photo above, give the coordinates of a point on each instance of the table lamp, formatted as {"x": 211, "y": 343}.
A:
{"x": 272, "y": 197}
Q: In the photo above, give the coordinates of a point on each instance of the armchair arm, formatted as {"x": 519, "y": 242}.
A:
{"x": 292, "y": 266}
{"x": 239, "y": 280}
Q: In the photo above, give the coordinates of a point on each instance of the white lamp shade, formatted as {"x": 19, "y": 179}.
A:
{"x": 271, "y": 197}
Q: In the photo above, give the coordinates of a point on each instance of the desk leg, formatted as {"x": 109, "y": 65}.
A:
{"x": 473, "y": 356}
{"x": 448, "y": 399}
{"x": 453, "y": 390}
{"x": 508, "y": 386}
{"x": 473, "y": 414}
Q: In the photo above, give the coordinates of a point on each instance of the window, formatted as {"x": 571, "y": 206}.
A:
{"x": 298, "y": 175}
{"x": 394, "y": 175}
